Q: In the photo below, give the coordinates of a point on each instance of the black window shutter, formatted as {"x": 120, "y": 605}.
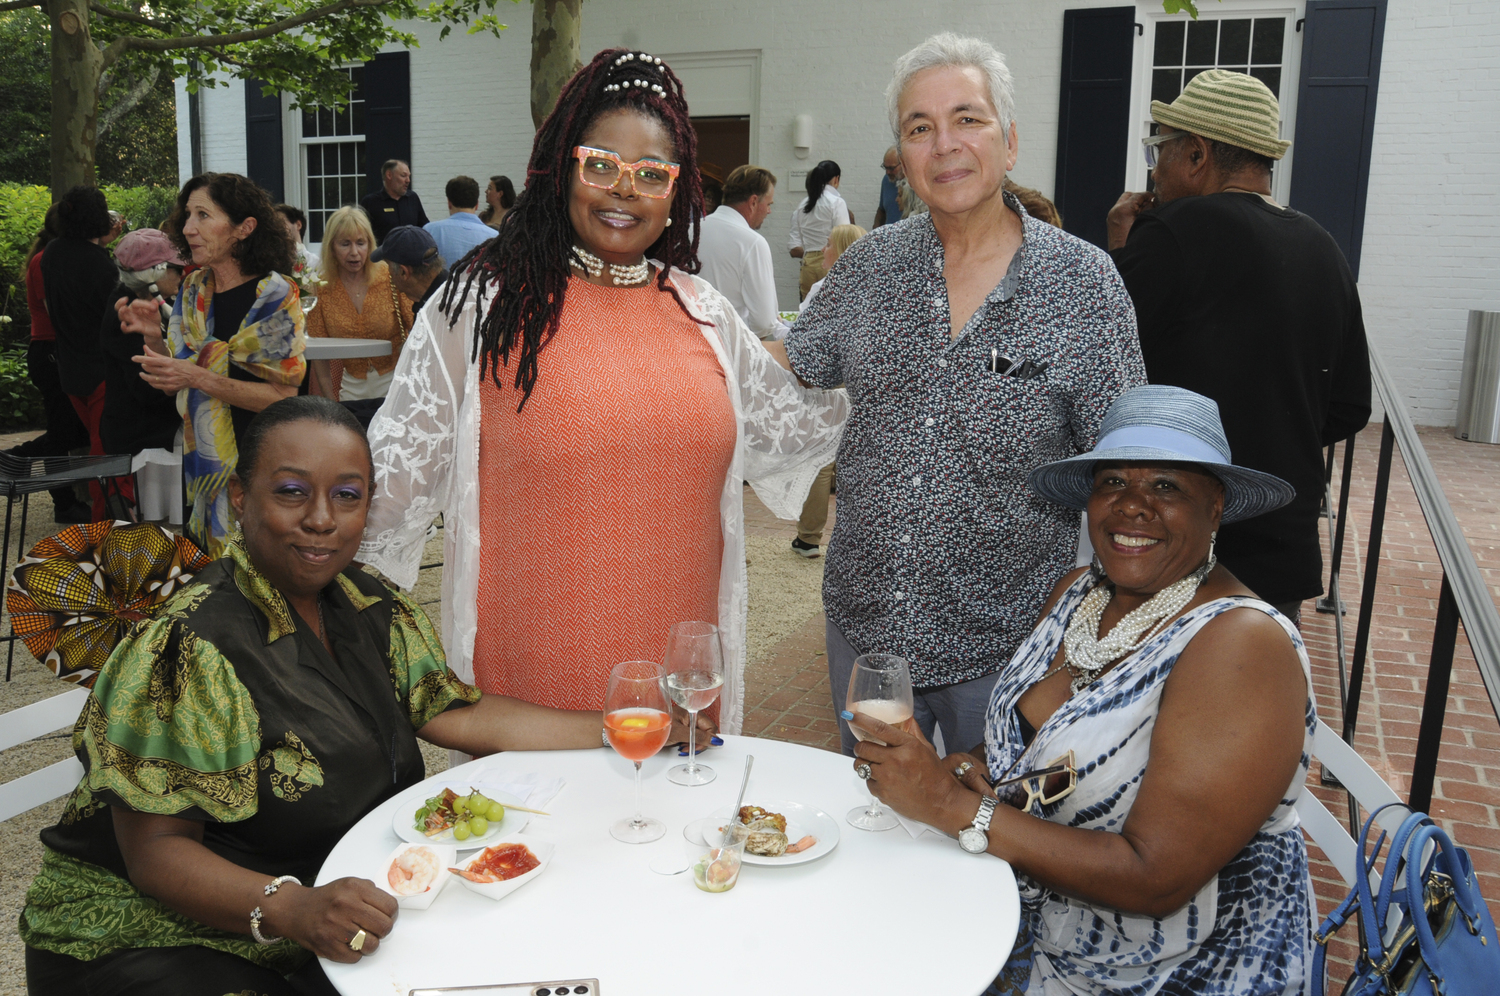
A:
{"x": 1341, "y": 43}
{"x": 263, "y": 159}
{"x": 387, "y": 112}
{"x": 1093, "y": 121}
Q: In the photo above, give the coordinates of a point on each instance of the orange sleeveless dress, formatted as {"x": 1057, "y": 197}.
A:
{"x": 599, "y": 502}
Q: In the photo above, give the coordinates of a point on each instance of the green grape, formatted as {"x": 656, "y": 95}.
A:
{"x": 460, "y": 806}
{"x": 478, "y": 825}
{"x": 496, "y": 812}
{"x": 477, "y": 803}
{"x": 460, "y": 831}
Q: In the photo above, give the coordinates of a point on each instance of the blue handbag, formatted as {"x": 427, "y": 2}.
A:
{"x": 1444, "y": 942}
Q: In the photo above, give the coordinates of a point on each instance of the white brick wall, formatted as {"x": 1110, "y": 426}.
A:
{"x": 1431, "y": 248}
{"x": 1432, "y": 228}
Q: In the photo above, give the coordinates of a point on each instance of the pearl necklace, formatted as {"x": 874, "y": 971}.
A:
{"x": 622, "y": 276}
{"x": 1087, "y": 655}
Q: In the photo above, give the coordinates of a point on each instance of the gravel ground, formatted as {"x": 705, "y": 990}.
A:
{"x": 784, "y": 594}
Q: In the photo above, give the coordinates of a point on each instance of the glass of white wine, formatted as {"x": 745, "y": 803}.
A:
{"x": 695, "y": 673}
{"x": 879, "y": 687}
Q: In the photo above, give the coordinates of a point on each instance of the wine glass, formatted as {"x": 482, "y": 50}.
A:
{"x": 695, "y": 673}
{"x": 879, "y": 687}
{"x": 636, "y": 721}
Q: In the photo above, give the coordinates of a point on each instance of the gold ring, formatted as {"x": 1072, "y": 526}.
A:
{"x": 357, "y": 942}
{"x": 962, "y": 769}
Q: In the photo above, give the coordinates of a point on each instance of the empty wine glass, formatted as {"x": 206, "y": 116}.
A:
{"x": 695, "y": 673}
{"x": 636, "y": 721}
{"x": 879, "y": 687}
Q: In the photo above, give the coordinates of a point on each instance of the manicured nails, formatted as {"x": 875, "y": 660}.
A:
{"x": 717, "y": 741}
{"x": 847, "y": 715}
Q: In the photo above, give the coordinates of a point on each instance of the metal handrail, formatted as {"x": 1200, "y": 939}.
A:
{"x": 1475, "y": 606}
{"x": 1464, "y": 596}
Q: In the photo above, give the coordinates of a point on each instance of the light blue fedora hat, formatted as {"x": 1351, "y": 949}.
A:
{"x": 1158, "y": 422}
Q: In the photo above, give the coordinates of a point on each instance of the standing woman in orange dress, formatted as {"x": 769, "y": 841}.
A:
{"x": 357, "y": 301}
{"x": 584, "y": 412}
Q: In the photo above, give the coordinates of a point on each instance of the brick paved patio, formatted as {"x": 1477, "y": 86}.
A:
{"x": 788, "y": 698}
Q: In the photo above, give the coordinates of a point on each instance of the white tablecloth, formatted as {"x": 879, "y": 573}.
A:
{"x": 881, "y": 914}
{"x": 320, "y": 348}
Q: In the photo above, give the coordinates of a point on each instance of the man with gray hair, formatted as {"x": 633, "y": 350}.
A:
{"x": 1251, "y": 304}
{"x": 394, "y": 203}
{"x": 976, "y": 343}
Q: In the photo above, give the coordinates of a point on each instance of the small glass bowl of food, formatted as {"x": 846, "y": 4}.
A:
{"x": 715, "y": 858}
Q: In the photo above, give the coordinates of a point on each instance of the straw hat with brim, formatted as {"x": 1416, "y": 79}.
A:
{"x": 1164, "y": 424}
{"x": 1228, "y": 107}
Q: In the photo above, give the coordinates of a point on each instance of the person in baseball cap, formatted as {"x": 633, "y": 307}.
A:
{"x": 136, "y": 415}
{"x": 417, "y": 269}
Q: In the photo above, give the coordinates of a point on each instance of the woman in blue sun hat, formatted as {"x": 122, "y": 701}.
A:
{"x": 1146, "y": 747}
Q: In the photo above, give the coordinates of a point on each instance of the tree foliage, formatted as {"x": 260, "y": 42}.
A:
{"x": 137, "y": 142}
{"x": 296, "y": 46}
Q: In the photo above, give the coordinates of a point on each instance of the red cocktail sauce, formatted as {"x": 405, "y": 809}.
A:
{"x": 504, "y": 862}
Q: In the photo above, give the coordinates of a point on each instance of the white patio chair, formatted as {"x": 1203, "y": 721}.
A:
{"x": 28, "y": 723}
{"x": 1367, "y": 787}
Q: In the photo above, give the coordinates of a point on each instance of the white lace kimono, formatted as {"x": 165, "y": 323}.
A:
{"x": 425, "y": 441}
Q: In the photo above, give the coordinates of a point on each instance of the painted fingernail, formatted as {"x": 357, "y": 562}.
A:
{"x": 682, "y": 752}
{"x": 847, "y": 715}
{"x": 716, "y": 741}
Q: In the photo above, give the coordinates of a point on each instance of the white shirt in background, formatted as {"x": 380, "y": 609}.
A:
{"x": 737, "y": 263}
{"x": 810, "y": 231}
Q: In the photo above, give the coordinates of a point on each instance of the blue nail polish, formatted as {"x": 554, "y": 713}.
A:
{"x": 717, "y": 741}
{"x": 847, "y": 715}
{"x": 682, "y": 752}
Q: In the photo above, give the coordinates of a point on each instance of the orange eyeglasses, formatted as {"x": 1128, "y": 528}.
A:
{"x": 603, "y": 169}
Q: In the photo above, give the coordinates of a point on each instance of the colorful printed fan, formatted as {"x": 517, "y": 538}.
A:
{"x": 78, "y": 592}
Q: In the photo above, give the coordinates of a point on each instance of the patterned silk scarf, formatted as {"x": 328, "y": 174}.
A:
{"x": 269, "y": 345}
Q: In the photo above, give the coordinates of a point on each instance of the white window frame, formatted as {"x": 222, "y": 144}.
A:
{"x": 1149, "y": 13}
{"x": 295, "y": 162}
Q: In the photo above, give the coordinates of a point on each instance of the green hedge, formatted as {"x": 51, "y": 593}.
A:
{"x": 22, "y": 210}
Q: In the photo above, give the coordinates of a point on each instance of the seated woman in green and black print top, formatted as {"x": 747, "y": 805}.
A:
{"x": 233, "y": 739}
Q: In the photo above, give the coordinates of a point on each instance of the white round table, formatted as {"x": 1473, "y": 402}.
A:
{"x": 881, "y": 914}
{"x": 320, "y": 348}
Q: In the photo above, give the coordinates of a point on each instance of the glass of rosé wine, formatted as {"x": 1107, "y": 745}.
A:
{"x": 879, "y": 687}
{"x": 637, "y": 720}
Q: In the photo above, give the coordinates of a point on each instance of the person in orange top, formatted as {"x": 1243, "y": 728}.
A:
{"x": 356, "y": 301}
{"x": 585, "y": 414}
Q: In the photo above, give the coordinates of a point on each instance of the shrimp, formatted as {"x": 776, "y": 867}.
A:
{"x": 479, "y": 876}
{"x": 802, "y": 845}
{"x": 413, "y": 871}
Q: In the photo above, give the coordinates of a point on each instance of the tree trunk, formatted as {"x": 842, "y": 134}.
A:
{"x": 554, "y": 52}
{"x": 76, "y": 65}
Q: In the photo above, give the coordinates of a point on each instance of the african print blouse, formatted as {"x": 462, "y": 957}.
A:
{"x": 227, "y": 709}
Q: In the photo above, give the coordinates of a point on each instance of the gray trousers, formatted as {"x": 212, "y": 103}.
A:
{"x": 957, "y": 710}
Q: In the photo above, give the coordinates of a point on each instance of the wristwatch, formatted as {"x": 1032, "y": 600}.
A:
{"x": 975, "y": 837}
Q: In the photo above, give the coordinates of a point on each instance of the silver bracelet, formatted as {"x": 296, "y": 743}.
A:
{"x": 604, "y": 735}
{"x": 256, "y": 914}
{"x": 260, "y": 938}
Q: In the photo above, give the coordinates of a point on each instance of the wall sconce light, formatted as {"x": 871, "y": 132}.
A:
{"x": 802, "y": 135}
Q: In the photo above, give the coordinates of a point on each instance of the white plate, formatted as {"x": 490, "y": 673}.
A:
{"x": 800, "y": 821}
{"x": 413, "y": 799}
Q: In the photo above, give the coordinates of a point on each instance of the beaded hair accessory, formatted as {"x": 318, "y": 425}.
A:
{"x": 626, "y": 84}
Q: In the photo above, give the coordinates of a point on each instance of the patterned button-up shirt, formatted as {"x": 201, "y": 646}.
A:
{"x": 941, "y": 553}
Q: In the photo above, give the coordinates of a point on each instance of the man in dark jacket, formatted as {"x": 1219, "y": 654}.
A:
{"x": 1251, "y": 304}
{"x": 394, "y": 203}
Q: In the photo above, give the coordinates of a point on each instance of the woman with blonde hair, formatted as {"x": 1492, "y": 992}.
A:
{"x": 358, "y": 302}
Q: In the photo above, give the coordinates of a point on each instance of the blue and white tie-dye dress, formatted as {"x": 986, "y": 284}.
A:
{"x": 1248, "y": 931}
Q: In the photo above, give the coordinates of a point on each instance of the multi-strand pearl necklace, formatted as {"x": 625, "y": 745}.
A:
{"x": 1087, "y": 655}
{"x": 622, "y": 276}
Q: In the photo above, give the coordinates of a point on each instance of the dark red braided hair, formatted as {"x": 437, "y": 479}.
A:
{"x": 526, "y": 266}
